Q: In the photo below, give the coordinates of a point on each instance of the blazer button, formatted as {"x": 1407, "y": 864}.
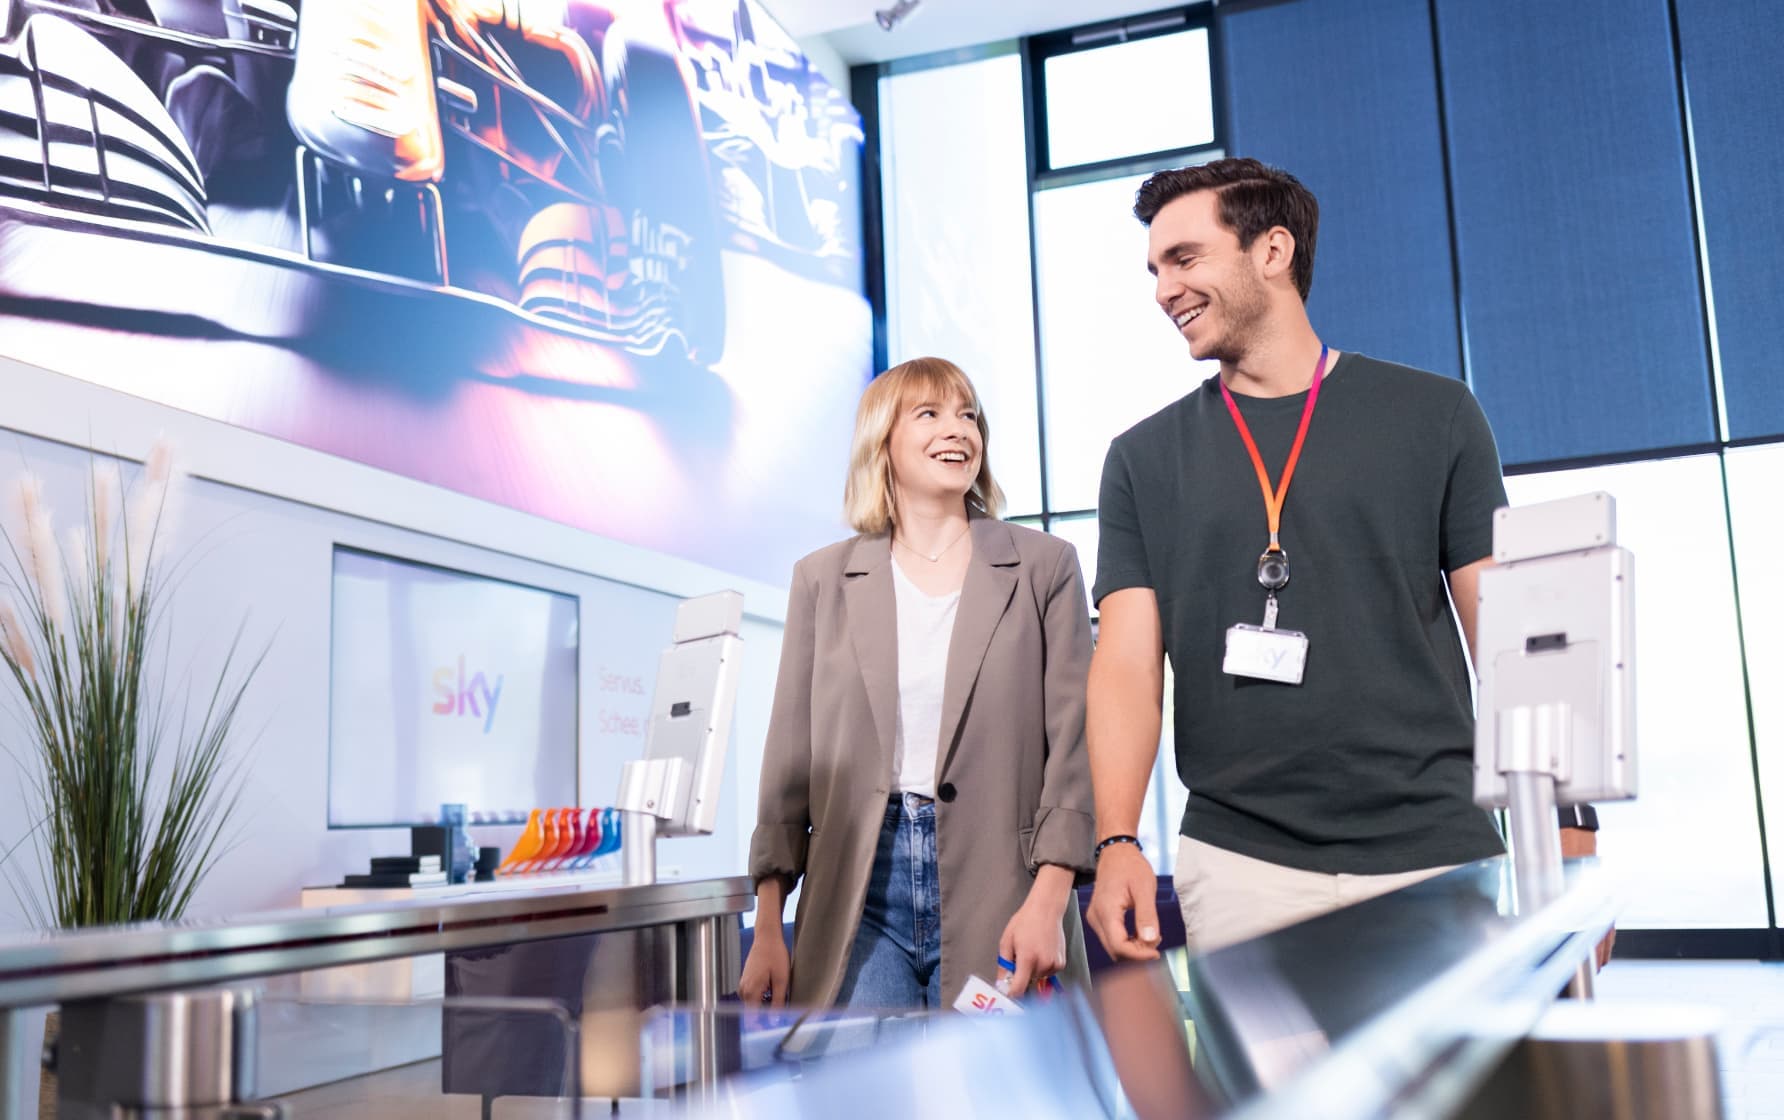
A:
{"x": 946, "y": 792}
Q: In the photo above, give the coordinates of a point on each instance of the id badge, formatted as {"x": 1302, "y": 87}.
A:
{"x": 1267, "y": 655}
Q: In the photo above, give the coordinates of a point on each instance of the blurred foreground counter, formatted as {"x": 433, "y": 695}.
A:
{"x": 1439, "y": 1000}
{"x": 545, "y": 991}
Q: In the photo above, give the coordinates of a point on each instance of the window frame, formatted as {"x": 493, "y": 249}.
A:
{"x": 1038, "y": 49}
{"x": 1765, "y": 943}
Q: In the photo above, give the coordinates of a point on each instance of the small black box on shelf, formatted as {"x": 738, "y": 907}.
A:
{"x": 405, "y": 864}
{"x": 488, "y": 859}
{"x": 428, "y": 840}
{"x": 397, "y": 879}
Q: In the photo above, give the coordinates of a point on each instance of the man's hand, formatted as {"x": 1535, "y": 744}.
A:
{"x": 1578, "y": 843}
{"x": 1124, "y": 709}
{"x": 768, "y": 970}
{"x": 1124, "y": 882}
{"x": 1035, "y": 939}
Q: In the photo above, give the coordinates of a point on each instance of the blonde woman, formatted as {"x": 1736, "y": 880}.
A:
{"x": 925, "y": 773}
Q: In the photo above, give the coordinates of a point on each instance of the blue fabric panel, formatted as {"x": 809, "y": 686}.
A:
{"x": 1735, "y": 84}
{"x": 1343, "y": 94}
{"x": 1580, "y": 299}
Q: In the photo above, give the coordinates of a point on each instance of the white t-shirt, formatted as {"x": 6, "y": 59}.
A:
{"x": 925, "y": 629}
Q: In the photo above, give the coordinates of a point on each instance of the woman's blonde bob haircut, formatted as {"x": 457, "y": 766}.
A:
{"x": 868, "y": 496}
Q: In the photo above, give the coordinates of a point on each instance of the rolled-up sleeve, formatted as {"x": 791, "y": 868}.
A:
{"x": 1121, "y": 547}
{"x": 1065, "y": 823}
{"x": 783, "y": 806}
{"x": 1474, "y": 489}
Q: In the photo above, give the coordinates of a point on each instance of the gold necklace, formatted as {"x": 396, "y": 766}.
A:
{"x": 935, "y": 559}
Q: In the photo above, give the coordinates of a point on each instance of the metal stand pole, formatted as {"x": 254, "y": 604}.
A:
{"x": 1584, "y": 979}
{"x": 179, "y": 1053}
{"x": 1535, "y": 842}
{"x": 1537, "y": 876}
{"x": 21, "y": 1045}
{"x": 700, "y": 971}
{"x": 699, "y": 982}
{"x": 638, "y": 848}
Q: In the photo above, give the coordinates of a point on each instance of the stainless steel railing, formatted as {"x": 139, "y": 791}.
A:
{"x": 106, "y": 964}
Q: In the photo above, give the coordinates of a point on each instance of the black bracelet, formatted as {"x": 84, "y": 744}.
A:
{"x": 1121, "y": 839}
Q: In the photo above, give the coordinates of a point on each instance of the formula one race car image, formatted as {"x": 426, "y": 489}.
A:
{"x": 581, "y": 165}
{"x": 783, "y": 140}
{"x": 588, "y": 260}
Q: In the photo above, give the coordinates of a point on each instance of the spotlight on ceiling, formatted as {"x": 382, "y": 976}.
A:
{"x": 888, "y": 18}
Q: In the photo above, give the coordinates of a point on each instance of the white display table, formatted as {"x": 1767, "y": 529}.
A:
{"x": 421, "y": 979}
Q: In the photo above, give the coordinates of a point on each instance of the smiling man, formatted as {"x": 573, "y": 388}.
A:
{"x": 1290, "y": 534}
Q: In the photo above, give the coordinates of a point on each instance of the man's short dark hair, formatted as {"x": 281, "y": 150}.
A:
{"x": 1254, "y": 197}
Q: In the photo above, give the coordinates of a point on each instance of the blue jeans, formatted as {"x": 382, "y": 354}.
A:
{"x": 896, "y": 962}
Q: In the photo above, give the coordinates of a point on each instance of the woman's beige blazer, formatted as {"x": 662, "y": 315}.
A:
{"x": 1012, "y": 777}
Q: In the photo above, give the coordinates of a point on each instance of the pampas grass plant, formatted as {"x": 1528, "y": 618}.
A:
{"x": 134, "y": 792}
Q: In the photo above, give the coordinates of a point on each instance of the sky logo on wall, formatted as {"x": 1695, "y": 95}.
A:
{"x": 466, "y": 696}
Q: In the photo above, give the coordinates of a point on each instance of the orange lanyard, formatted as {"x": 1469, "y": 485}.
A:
{"x": 1273, "y": 498}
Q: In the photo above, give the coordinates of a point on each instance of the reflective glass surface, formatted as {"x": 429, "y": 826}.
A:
{"x": 1755, "y": 478}
{"x": 1111, "y": 356}
{"x": 1688, "y": 845}
{"x": 955, "y": 201}
{"x": 1129, "y": 99}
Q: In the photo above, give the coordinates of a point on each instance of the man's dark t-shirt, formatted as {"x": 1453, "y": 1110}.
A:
{"x": 1366, "y": 767}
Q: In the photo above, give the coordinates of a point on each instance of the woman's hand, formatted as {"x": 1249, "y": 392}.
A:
{"x": 768, "y": 969}
{"x": 1035, "y": 935}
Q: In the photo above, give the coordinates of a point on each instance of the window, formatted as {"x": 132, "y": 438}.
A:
{"x": 1754, "y": 477}
{"x": 1162, "y": 821}
{"x": 963, "y": 265}
{"x": 1081, "y": 531}
{"x": 1108, "y": 104}
{"x": 1110, "y": 357}
{"x": 956, "y": 235}
{"x": 1129, "y": 98}
{"x": 1691, "y": 836}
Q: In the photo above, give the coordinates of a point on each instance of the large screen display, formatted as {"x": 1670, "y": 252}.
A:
{"x": 447, "y": 687}
{"x": 596, "y": 261}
